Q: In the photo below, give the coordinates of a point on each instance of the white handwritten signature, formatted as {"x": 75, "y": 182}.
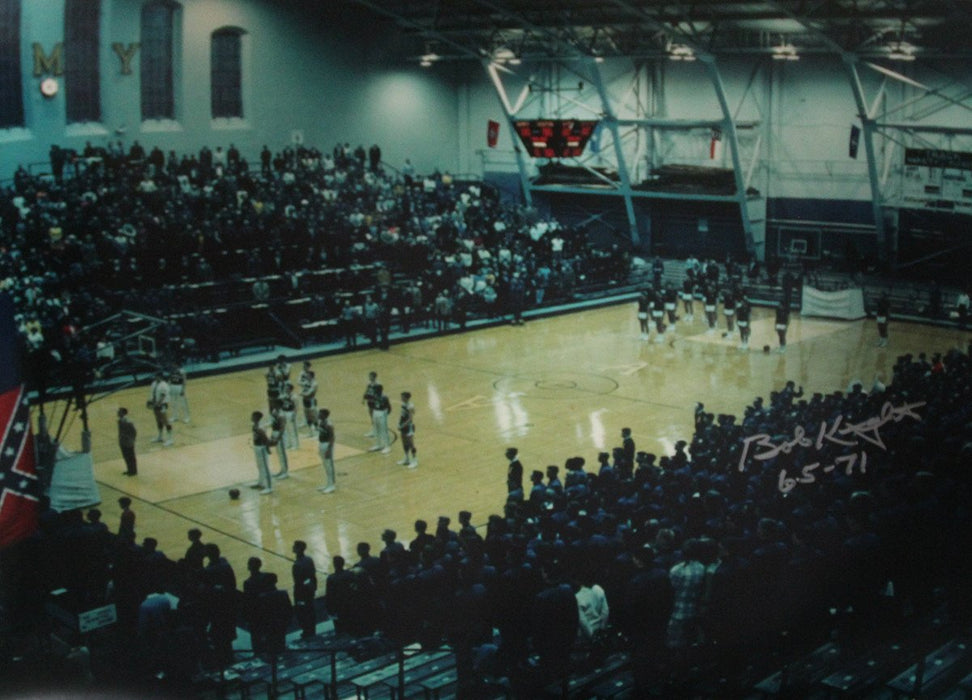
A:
{"x": 761, "y": 446}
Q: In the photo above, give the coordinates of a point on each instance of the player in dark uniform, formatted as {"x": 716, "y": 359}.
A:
{"x": 781, "y": 323}
{"x": 308, "y": 396}
{"x": 261, "y": 450}
{"x": 325, "y": 448}
{"x": 406, "y": 428}
{"x": 278, "y": 429}
{"x": 368, "y": 398}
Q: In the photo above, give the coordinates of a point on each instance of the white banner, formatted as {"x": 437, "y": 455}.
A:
{"x": 844, "y": 303}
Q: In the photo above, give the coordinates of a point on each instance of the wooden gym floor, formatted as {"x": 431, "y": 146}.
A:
{"x": 554, "y": 387}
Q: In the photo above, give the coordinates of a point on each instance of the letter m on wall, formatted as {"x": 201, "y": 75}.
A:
{"x": 53, "y": 64}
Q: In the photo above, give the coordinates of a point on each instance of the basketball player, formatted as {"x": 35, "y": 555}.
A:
{"x": 288, "y": 408}
{"x": 159, "y": 403}
{"x": 177, "y": 393}
{"x": 379, "y": 418}
{"x": 261, "y": 450}
{"x": 308, "y": 396}
{"x": 369, "y": 399}
{"x": 406, "y": 428}
{"x": 325, "y": 448}
{"x": 278, "y": 429}
{"x": 782, "y": 321}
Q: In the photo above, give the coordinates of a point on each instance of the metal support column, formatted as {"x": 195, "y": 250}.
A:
{"x": 732, "y": 140}
{"x": 611, "y": 121}
{"x": 510, "y": 113}
{"x": 867, "y": 133}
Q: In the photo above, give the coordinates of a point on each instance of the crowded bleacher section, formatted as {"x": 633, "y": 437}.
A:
{"x": 692, "y": 566}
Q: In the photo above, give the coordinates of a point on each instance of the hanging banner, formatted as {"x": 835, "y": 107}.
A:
{"x": 492, "y": 133}
{"x": 715, "y": 144}
{"x": 855, "y": 140}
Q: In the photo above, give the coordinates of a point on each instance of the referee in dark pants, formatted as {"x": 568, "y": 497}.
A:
{"x": 126, "y": 441}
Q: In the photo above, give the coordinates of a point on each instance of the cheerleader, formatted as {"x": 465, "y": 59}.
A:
{"x": 710, "y": 300}
{"x": 742, "y": 320}
{"x": 729, "y": 308}
{"x": 688, "y": 295}
{"x": 671, "y": 304}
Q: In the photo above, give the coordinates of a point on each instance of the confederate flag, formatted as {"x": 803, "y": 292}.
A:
{"x": 19, "y": 486}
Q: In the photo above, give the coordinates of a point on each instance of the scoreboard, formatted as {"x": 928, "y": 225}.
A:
{"x": 555, "y": 138}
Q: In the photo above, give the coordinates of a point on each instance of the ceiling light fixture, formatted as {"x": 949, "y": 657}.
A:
{"x": 901, "y": 51}
{"x": 504, "y": 55}
{"x": 680, "y": 52}
{"x": 785, "y": 52}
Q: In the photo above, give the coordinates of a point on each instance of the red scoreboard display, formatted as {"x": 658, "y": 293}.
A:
{"x": 555, "y": 138}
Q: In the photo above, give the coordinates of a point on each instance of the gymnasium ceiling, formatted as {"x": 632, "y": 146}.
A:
{"x": 564, "y": 29}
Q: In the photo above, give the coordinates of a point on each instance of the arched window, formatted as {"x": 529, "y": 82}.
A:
{"x": 226, "y": 73}
{"x": 157, "y": 55}
{"x": 82, "y": 75}
{"x": 12, "y": 104}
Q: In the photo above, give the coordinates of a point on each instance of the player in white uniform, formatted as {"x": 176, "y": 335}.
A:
{"x": 159, "y": 403}
{"x": 177, "y": 394}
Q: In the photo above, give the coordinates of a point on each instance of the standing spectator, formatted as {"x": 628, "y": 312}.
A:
{"x": 374, "y": 157}
{"x": 370, "y": 320}
{"x": 514, "y": 472}
{"x": 338, "y": 596}
{"x": 325, "y": 448}
{"x": 305, "y": 584}
{"x": 126, "y": 442}
{"x": 221, "y": 601}
{"x": 349, "y": 324}
{"x": 688, "y": 581}
{"x": 443, "y": 310}
{"x": 196, "y": 552}
{"x": 126, "y": 525}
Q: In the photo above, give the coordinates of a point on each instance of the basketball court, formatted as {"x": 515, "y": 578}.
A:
{"x": 555, "y": 387}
